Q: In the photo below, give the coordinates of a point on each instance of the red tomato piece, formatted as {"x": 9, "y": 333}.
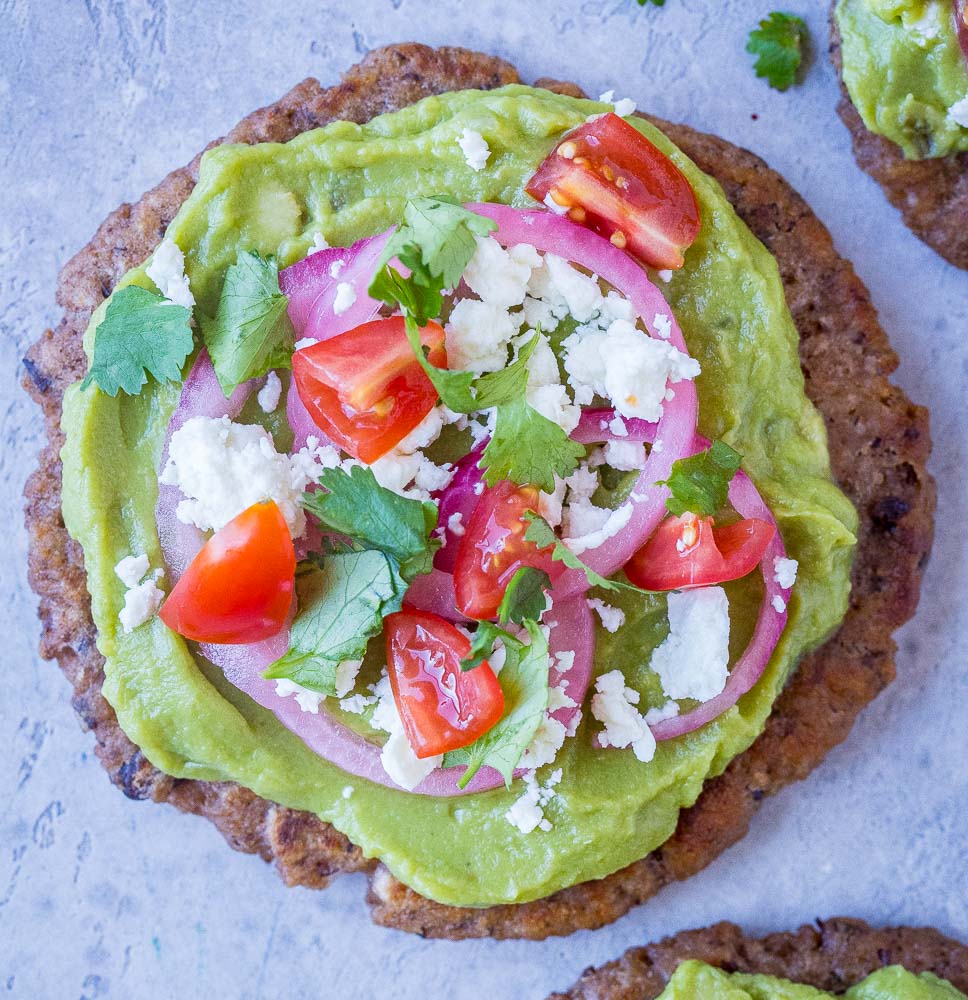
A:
{"x": 689, "y": 551}
{"x": 616, "y": 182}
{"x": 442, "y": 707}
{"x": 364, "y": 388}
{"x": 239, "y": 588}
{"x": 494, "y": 548}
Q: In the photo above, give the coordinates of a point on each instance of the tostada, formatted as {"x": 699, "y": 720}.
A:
{"x": 840, "y": 956}
{"x": 456, "y": 488}
{"x": 904, "y": 73}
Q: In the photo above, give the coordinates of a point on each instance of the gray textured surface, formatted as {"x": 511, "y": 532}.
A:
{"x": 102, "y": 897}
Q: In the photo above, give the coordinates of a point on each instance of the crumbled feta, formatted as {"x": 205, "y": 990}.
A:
{"x": 319, "y": 243}
{"x": 581, "y": 293}
{"x": 497, "y": 276}
{"x": 613, "y": 704}
{"x": 626, "y": 456}
{"x": 406, "y": 470}
{"x": 612, "y": 618}
{"x": 958, "y": 112}
{"x": 141, "y": 603}
{"x": 474, "y": 147}
{"x": 304, "y": 342}
{"x": 785, "y": 572}
{"x": 779, "y": 605}
{"x": 564, "y": 660}
{"x": 478, "y": 334}
{"x": 131, "y": 570}
{"x": 336, "y": 267}
{"x": 663, "y": 326}
{"x": 357, "y": 704}
{"x": 346, "y": 673}
{"x": 167, "y": 270}
{"x": 527, "y": 812}
{"x": 223, "y": 468}
{"x": 306, "y": 699}
{"x": 345, "y": 297}
{"x": 455, "y": 524}
{"x": 665, "y": 275}
{"x": 656, "y": 715}
{"x": 558, "y": 698}
{"x": 628, "y": 366}
{"x": 544, "y": 747}
{"x": 270, "y": 393}
{"x": 348, "y": 791}
{"x": 608, "y": 97}
{"x": 692, "y": 661}
{"x": 401, "y": 764}
{"x": 624, "y": 107}
{"x": 553, "y": 402}
{"x": 617, "y": 427}
{"x": 549, "y": 504}
{"x": 587, "y": 529}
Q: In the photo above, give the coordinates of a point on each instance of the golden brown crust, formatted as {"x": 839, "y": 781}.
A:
{"x": 832, "y": 956}
{"x": 932, "y": 195}
{"x": 879, "y": 444}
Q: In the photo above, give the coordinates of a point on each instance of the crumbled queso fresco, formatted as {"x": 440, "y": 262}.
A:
{"x": 143, "y": 598}
{"x": 167, "y": 270}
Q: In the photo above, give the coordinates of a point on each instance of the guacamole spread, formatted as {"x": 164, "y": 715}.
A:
{"x": 349, "y": 181}
{"x": 696, "y": 979}
{"x": 906, "y": 73}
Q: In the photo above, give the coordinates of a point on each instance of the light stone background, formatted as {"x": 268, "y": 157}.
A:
{"x": 102, "y": 897}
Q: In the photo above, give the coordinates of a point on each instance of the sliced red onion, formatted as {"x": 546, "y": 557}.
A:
{"x": 573, "y": 632}
{"x": 596, "y": 425}
{"x": 458, "y": 497}
{"x": 434, "y": 592}
{"x": 674, "y": 432}
{"x": 311, "y": 286}
{"x": 746, "y": 500}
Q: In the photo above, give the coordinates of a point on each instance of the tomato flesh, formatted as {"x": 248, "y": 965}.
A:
{"x": 364, "y": 388}
{"x": 494, "y": 548}
{"x": 239, "y": 588}
{"x": 442, "y": 707}
{"x": 689, "y": 551}
{"x": 613, "y": 180}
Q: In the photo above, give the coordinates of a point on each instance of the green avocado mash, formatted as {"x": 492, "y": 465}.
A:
{"x": 696, "y": 979}
{"x": 904, "y": 69}
{"x": 350, "y": 181}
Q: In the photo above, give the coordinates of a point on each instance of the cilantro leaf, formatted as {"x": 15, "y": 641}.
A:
{"x": 525, "y": 597}
{"x": 482, "y": 644}
{"x": 543, "y": 535}
{"x": 700, "y": 483}
{"x": 657, "y": 3}
{"x": 251, "y": 332}
{"x": 142, "y": 334}
{"x": 354, "y": 504}
{"x": 342, "y": 603}
{"x": 528, "y": 448}
{"x": 524, "y": 680}
{"x": 778, "y": 45}
{"x": 453, "y": 387}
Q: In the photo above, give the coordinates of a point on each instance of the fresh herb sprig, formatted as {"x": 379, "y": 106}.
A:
{"x": 778, "y": 45}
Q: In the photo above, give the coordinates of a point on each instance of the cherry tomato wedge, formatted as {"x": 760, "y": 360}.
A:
{"x": 689, "y": 551}
{"x": 494, "y": 548}
{"x": 239, "y": 588}
{"x": 364, "y": 388}
{"x": 616, "y": 182}
{"x": 442, "y": 707}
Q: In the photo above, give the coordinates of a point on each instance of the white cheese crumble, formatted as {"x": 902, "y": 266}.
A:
{"x": 222, "y": 468}
{"x": 346, "y": 676}
{"x": 692, "y": 661}
{"x": 588, "y": 526}
{"x": 612, "y": 618}
{"x": 558, "y": 698}
{"x": 357, "y": 704}
{"x": 319, "y": 243}
{"x": 269, "y": 395}
{"x": 348, "y": 791}
{"x": 455, "y": 524}
{"x": 613, "y": 704}
{"x": 548, "y": 740}
{"x": 406, "y": 470}
{"x": 477, "y": 336}
{"x": 336, "y": 267}
{"x": 550, "y": 202}
{"x": 474, "y": 147}
{"x": 958, "y": 112}
{"x": 527, "y": 812}
{"x": 624, "y": 107}
{"x": 306, "y": 699}
{"x": 665, "y": 275}
{"x": 608, "y": 97}
{"x": 345, "y": 297}
{"x": 626, "y": 456}
{"x": 141, "y": 600}
{"x": 498, "y": 276}
{"x": 663, "y": 326}
{"x": 131, "y": 570}
{"x": 304, "y": 342}
{"x": 167, "y": 270}
{"x": 779, "y": 605}
{"x": 401, "y": 764}
{"x": 785, "y": 572}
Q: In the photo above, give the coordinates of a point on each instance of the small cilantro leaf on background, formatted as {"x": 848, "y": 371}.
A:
{"x": 482, "y": 644}
{"x": 655, "y": 3}
{"x": 342, "y": 603}
{"x": 354, "y": 504}
{"x": 525, "y": 597}
{"x": 141, "y": 334}
{"x": 778, "y": 46}
{"x": 251, "y": 332}
{"x": 524, "y": 680}
{"x": 700, "y": 483}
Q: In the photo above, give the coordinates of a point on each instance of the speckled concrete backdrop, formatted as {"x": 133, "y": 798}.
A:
{"x": 101, "y": 897}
